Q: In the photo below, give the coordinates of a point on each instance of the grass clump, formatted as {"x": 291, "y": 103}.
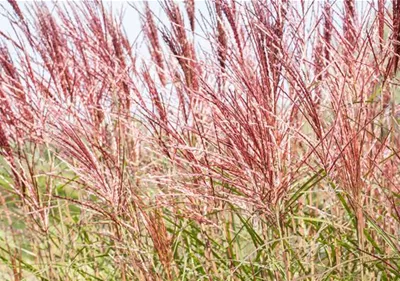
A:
{"x": 249, "y": 141}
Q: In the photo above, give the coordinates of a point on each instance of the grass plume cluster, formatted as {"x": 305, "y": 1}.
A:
{"x": 251, "y": 141}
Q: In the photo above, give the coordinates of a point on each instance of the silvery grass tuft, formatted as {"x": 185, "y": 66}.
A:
{"x": 230, "y": 141}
